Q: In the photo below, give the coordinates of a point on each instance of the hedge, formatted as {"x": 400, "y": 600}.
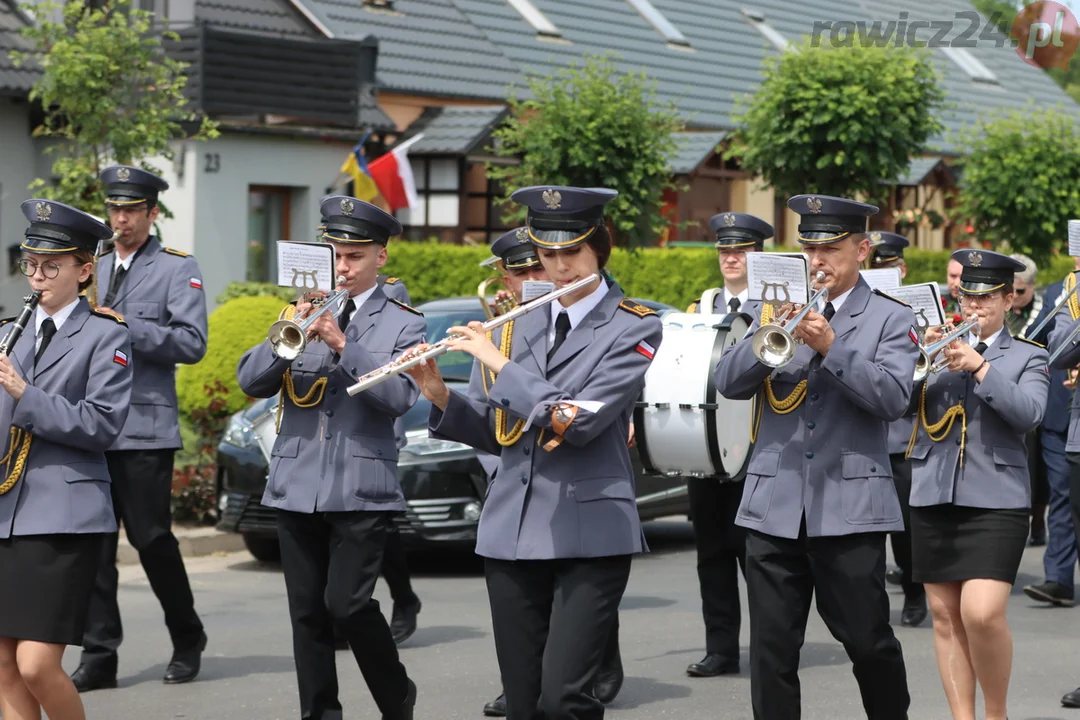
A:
{"x": 235, "y": 327}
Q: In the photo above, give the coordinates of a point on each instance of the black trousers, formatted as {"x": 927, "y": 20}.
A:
{"x": 142, "y": 501}
{"x": 901, "y": 541}
{"x": 331, "y": 562}
{"x": 721, "y": 552}
{"x": 395, "y": 568}
{"x": 1074, "y": 492}
{"x": 848, "y": 575}
{"x": 1040, "y": 485}
{"x": 553, "y": 622}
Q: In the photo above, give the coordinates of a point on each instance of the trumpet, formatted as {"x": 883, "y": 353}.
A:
{"x": 501, "y": 306}
{"x": 442, "y": 347}
{"x": 923, "y": 365}
{"x": 773, "y": 343}
{"x": 288, "y": 338}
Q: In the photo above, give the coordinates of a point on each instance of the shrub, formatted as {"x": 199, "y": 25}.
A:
{"x": 194, "y": 484}
{"x": 253, "y": 289}
{"x": 235, "y": 327}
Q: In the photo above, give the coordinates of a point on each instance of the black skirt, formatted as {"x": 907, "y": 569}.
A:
{"x": 950, "y": 543}
{"x": 45, "y": 586}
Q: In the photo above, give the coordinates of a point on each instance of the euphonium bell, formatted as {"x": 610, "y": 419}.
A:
{"x": 501, "y": 306}
{"x": 773, "y": 343}
{"x": 924, "y": 366}
{"x": 288, "y": 338}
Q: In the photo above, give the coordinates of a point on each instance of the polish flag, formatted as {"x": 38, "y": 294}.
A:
{"x": 393, "y": 175}
{"x": 646, "y": 349}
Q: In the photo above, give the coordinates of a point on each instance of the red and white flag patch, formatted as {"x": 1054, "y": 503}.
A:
{"x": 196, "y": 283}
{"x": 913, "y": 335}
{"x": 120, "y": 358}
{"x": 646, "y": 349}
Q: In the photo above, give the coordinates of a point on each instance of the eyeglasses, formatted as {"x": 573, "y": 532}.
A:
{"x": 48, "y": 268}
{"x": 980, "y": 299}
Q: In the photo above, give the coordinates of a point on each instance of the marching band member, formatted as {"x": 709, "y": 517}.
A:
{"x": 519, "y": 263}
{"x": 721, "y": 544}
{"x": 970, "y": 486}
{"x": 334, "y": 472}
{"x": 819, "y": 492}
{"x": 887, "y": 252}
{"x": 560, "y": 524}
{"x": 160, "y": 292}
{"x": 67, "y": 386}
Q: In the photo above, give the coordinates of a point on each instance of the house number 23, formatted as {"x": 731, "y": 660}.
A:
{"x": 213, "y": 163}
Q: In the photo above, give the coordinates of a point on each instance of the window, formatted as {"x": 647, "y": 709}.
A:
{"x": 658, "y": 21}
{"x": 438, "y": 184}
{"x": 970, "y": 64}
{"x": 534, "y": 17}
{"x": 757, "y": 19}
{"x": 268, "y": 222}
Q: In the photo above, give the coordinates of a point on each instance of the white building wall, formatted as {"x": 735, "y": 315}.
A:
{"x": 17, "y": 170}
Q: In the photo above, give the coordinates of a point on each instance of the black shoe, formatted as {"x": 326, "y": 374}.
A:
{"x": 894, "y": 577}
{"x": 1071, "y": 700}
{"x": 407, "y": 707}
{"x": 403, "y": 621}
{"x": 609, "y": 681}
{"x": 497, "y": 707}
{"x": 87, "y": 678}
{"x": 712, "y": 665}
{"x": 1051, "y": 592}
{"x": 184, "y": 666}
{"x": 914, "y": 612}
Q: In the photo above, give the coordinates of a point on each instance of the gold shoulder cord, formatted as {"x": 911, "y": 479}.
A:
{"x": 314, "y": 395}
{"x": 18, "y": 437}
{"x": 504, "y": 438}
{"x": 1074, "y": 301}
{"x": 941, "y": 429}
{"x": 780, "y": 407}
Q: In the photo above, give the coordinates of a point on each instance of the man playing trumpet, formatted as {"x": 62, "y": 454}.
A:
{"x": 819, "y": 494}
{"x": 333, "y": 477}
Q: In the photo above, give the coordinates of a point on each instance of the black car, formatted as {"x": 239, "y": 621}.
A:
{"x": 443, "y": 482}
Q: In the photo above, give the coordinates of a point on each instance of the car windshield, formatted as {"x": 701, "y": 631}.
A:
{"x": 455, "y": 366}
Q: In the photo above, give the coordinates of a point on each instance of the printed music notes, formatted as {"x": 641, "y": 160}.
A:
{"x": 778, "y": 277}
{"x": 306, "y": 266}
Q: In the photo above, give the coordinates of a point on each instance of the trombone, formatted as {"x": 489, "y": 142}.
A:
{"x": 288, "y": 338}
{"x": 923, "y": 365}
{"x": 773, "y": 343}
{"x": 1060, "y": 304}
{"x": 501, "y": 306}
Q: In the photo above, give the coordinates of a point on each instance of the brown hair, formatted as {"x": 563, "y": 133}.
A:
{"x": 82, "y": 257}
{"x": 600, "y": 242}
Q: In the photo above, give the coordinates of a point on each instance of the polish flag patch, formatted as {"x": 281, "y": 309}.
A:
{"x": 913, "y": 335}
{"x": 120, "y": 358}
{"x": 646, "y": 349}
{"x": 196, "y": 283}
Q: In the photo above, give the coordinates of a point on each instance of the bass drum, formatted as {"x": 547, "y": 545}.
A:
{"x": 265, "y": 429}
{"x": 683, "y": 426}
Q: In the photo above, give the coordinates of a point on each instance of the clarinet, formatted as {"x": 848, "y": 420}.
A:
{"x": 8, "y": 343}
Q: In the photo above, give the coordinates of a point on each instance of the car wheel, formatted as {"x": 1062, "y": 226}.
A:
{"x": 263, "y": 548}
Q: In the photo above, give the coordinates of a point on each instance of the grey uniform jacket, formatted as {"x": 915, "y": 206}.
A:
{"x": 1000, "y": 411}
{"x": 577, "y": 500}
{"x": 396, "y": 290}
{"x": 828, "y": 460}
{"x": 339, "y": 455}
{"x": 162, "y": 301}
{"x": 75, "y": 402}
{"x": 1064, "y": 326}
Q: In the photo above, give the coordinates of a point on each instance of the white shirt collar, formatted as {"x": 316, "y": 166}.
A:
{"x": 359, "y": 300}
{"x": 578, "y": 310}
{"x": 838, "y": 301}
{"x": 125, "y": 263}
{"x": 742, "y": 298}
{"x": 973, "y": 340}
{"x": 58, "y": 318}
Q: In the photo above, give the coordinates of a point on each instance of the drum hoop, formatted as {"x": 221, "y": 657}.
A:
{"x": 269, "y": 415}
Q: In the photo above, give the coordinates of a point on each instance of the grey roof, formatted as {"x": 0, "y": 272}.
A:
{"x": 13, "y": 80}
{"x": 455, "y": 130}
{"x": 271, "y": 17}
{"x": 918, "y": 170}
{"x": 693, "y": 149}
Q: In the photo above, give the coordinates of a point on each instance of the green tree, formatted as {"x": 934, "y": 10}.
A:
{"x": 838, "y": 120}
{"x": 110, "y": 94}
{"x": 592, "y": 126}
{"x": 1018, "y": 184}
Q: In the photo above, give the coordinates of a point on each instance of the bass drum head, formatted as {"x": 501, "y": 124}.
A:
{"x": 734, "y": 417}
{"x": 265, "y": 428}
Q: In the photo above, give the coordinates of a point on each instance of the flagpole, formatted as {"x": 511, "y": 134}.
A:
{"x": 407, "y": 143}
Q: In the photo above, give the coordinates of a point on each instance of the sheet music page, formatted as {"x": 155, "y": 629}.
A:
{"x": 1074, "y": 238}
{"x": 882, "y": 278}
{"x": 925, "y": 301}
{"x": 778, "y": 277}
{"x": 306, "y": 266}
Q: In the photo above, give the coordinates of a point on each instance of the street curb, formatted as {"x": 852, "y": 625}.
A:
{"x": 194, "y": 542}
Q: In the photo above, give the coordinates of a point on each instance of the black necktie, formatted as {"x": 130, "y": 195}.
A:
{"x": 48, "y": 329}
{"x": 114, "y": 285}
{"x": 829, "y": 311}
{"x": 346, "y": 315}
{"x": 562, "y": 327}
{"x": 980, "y": 348}
{"x": 734, "y": 304}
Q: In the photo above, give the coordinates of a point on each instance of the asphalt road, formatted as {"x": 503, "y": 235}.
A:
{"x": 248, "y": 670}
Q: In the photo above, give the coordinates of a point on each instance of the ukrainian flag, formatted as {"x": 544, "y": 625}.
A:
{"x": 355, "y": 166}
